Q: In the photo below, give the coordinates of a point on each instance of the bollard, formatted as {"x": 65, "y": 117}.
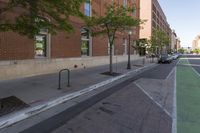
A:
{"x": 59, "y": 79}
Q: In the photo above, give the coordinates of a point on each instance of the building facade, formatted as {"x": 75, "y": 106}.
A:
{"x": 173, "y": 41}
{"x": 151, "y": 11}
{"x": 196, "y": 43}
{"x": 21, "y": 56}
{"x": 178, "y": 43}
{"x": 78, "y": 44}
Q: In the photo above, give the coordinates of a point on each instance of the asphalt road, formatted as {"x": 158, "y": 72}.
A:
{"x": 121, "y": 100}
{"x": 195, "y": 61}
{"x": 160, "y": 72}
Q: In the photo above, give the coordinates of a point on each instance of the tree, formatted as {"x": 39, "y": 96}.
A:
{"x": 182, "y": 50}
{"x": 159, "y": 39}
{"x": 34, "y": 15}
{"x": 142, "y": 46}
{"x": 197, "y": 51}
{"x": 116, "y": 19}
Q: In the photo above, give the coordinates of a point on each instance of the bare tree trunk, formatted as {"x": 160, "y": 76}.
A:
{"x": 111, "y": 68}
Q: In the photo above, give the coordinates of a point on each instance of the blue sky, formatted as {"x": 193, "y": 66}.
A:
{"x": 184, "y": 17}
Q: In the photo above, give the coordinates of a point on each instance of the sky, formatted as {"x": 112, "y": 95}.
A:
{"x": 184, "y": 17}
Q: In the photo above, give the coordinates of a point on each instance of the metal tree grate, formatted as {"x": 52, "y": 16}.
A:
{"x": 111, "y": 74}
{"x": 11, "y": 104}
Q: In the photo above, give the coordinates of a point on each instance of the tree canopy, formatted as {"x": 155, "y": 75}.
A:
{"x": 197, "y": 51}
{"x": 30, "y": 16}
{"x": 159, "y": 39}
{"x": 116, "y": 19}
{"x": 182, "y": 50}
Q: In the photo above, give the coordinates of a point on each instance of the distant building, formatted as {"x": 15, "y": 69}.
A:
{"x": 173, "y": 41}
{"x": 196, "y": 43}
{"x": 151, "y": 11}
{"x": 178, "y": 43}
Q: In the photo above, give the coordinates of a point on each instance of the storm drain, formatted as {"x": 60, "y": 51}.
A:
{"x": 11, "y": 104}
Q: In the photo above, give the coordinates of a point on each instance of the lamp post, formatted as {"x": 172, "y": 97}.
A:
{"x": 129, "y": 49}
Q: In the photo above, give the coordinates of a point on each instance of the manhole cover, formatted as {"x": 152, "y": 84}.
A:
{"x": 11, "y": 104}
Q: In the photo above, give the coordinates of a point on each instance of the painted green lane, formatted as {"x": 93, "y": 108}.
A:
{"x": 188, "y": 98}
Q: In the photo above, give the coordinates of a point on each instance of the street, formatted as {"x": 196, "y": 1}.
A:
{"x": 99, "y": 66}
{"x": 161, "y": 99}
{"x": 134, "y": 107}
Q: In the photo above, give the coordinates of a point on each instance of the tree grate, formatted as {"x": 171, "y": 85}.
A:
{"x": 11, "y": 104}
{"x": 111, "y": 74}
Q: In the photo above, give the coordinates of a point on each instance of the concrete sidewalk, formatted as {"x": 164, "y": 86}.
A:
{"x": 38, "y": 90}
{"x": 33, "y": 90}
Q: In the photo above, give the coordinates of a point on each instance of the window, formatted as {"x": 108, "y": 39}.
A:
{"x": 85, "y": 42}
{"x": 153, "y": 24}
{"x": 42, "y": 41}
{"x": 87, "y": 8}
{"x": 117, "y": 2}
{"x": 125, "y": 3}
{"x": 154, "y": 8}
{"x": 41, "y": 45}
{"x": 134, "y": 5}
{"x": 154, "y": 16}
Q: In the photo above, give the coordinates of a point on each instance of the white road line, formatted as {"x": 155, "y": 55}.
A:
{"x": 170, "y": 73}
{"x": 192, "y": 67}
{"x": 24, "y": 114}
{"x": 172, "y": 70}
{"x": 16, "y": 117}
{"x": 158, "y": 104}
{"x": 174, "y": 114}
{"x": 195, "y": 70}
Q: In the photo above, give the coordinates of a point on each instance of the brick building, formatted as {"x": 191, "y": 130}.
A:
{"x": 21, "y": 56}
{"x": 173, "y": 41}
{"x": 78, "y": 44}
{"x": 196, "y": 43}
{"x": 151, "y": 11}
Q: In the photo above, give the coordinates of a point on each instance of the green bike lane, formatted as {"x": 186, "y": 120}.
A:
{"x": 188, "y": 98}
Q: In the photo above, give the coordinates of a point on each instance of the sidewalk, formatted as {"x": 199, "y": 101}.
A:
{"x": 40, "y": 89}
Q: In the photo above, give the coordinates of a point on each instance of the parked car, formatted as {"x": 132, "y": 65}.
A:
{"x": 165, "y": 58}
{"x": 175, "y": 56}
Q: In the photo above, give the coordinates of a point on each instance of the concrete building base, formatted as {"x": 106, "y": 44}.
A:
{"x": 25, "y": 68}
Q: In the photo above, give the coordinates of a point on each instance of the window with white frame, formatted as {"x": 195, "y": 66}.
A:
{"x": 125, "y": 3}
{"x": 87, "y": 8}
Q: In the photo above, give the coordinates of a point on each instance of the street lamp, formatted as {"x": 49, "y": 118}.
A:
{"x": 129, "y": 49}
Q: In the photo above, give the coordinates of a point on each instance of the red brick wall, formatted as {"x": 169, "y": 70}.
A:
{"x": 14, "y": 46}
{"x": 66, "y": 45}
{"x": 119, "y": 47}
{"x": 63, "y": 45}
{"x": 99, "y": 46}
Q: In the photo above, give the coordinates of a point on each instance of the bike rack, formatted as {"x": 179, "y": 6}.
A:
{"x": 59, "y": 79}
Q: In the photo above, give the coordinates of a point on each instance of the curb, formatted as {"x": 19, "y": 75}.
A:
{"x": 32, "y": 111}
